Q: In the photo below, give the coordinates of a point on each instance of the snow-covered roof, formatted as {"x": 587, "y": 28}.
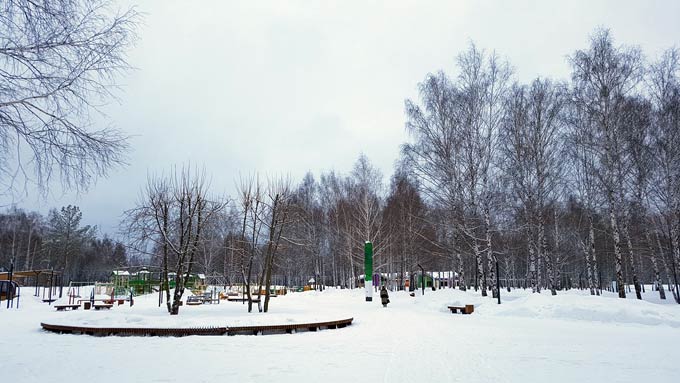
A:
{"x": 120, "y": 272}
{"x": 201, "y": 276}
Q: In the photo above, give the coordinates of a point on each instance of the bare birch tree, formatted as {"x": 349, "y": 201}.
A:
{"x": 532, "y": 146}
{"x": 58, "y": 64}
{"x": 664, "y": 87}
{"x": 603, "y": 76}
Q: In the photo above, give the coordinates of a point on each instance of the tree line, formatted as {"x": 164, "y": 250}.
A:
{"x": 555, "y": 179}
{"x": 558, "y": 184}
{"x": 59, "y": 242}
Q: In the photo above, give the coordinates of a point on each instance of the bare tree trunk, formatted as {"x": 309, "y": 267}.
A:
{"x": 507, "y": 273}
{"x": 461, "y": 272}
{"x": 676, "y": 256}
{"x": 631, "y": 256}
{"x": 480, "y": 269}
{"x": 543, "y": 245}
{"x": 164, "y": 218}
{"x": 351, "y": 264}
{"x": 591, "y": 241}
{"x": 558, "y": 261}
{"x": 655, "y": 266}
{"x": 532, "y": 263}
{"x": 618, "y": 262}
{"x": 489, "y": 253}
{"x": 28, "y": 248}
{"x": 540, "y": 254}
{"x": 591, "y": 284}
{"x": 662, "y": 256}
{"x": 278, "y": 221}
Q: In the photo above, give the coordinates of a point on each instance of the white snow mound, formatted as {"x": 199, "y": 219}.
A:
{"x": 590, "y": 308}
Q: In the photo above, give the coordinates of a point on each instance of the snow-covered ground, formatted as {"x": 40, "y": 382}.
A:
{"x": 529, "y": 338}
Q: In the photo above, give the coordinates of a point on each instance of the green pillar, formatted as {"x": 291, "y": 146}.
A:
{"x": 368, "y": 270}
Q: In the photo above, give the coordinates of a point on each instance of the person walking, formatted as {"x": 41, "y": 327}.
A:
{"x": 384, "y": 297}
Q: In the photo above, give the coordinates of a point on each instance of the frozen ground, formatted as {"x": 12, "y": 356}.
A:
{"x": 572, "y": 337}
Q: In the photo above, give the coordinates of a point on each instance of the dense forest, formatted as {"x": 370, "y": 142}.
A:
{"x": 558, "y": 184}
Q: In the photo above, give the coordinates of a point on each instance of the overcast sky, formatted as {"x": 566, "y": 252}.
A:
{"x": 288, "y": 87}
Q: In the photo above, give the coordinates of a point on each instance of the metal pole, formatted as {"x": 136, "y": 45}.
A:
{"x": 422, "y": 278}
{"x": 10, "y": 290}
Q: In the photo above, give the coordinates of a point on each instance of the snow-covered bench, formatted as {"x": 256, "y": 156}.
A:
{"x": 66, "y": 307}
{"x": 467, "y": 309}
{"x": 194, "y": 300}
{"x": 104, "y": 300}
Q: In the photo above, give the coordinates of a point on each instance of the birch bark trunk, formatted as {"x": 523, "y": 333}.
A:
{"x": 618, "y": 262}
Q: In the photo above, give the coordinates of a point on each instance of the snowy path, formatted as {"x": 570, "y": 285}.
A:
{"x": 567, "y": 338}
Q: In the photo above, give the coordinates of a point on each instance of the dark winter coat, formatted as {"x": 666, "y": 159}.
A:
{"x": 384, "y": 297}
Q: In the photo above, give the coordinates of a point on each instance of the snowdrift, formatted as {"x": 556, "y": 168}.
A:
{"x": 573, "y": 307}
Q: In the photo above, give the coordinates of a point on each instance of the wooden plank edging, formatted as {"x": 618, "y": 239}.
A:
{"x": 187, "y": 331}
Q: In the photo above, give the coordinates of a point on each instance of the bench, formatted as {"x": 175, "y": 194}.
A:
{"x": 66, "y": 307}
{"x": 103, "y": 306}
{"x": 232, "y": 299}
{"x": 467, "y": 309}
{"x": 106, "y": 300}
{"x": 194, "y": 300}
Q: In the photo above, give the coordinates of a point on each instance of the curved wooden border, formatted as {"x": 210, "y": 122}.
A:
{"x": 288, "y": 328}
{"x": 133, "y": 331}
{"x": 242, "y": 330}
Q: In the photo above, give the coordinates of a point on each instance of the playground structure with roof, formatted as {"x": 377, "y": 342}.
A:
{"x": 146, "y": 281}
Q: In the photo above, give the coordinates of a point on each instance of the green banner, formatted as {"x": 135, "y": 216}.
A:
{"x": 368, "y": 262}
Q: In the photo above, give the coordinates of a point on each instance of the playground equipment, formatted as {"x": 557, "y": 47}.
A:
{"x": 146, "y": 281}
{"x": 209, "y": 296}
{"x": 47, "y": 282}
{"x": 10, "y": 290}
